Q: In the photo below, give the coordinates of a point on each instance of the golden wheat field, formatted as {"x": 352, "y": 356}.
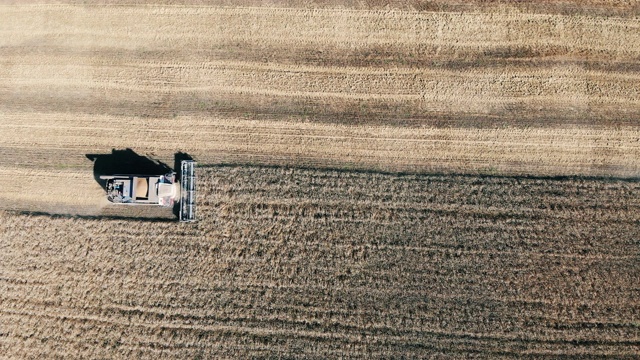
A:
{"x": 377, "y": 179}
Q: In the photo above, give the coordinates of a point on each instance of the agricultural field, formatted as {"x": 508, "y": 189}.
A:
{"x": 376, "y": 179}
{"x": 326, "y": 263}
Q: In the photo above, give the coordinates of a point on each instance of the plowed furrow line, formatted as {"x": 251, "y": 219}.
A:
{"x": 461, "y": 339}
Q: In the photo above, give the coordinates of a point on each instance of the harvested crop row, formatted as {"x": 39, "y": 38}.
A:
{"x": 404, "y": 68}
{"x": 549, "y": 151}
{"x": 565, "y": 7}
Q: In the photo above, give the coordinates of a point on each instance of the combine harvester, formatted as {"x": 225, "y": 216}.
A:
{"x": 163, "y": 190}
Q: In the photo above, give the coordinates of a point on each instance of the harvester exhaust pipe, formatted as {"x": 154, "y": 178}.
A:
{"x": 187, "y": 191}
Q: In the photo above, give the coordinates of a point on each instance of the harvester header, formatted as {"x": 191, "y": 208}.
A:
{"x": 187, "y": 191}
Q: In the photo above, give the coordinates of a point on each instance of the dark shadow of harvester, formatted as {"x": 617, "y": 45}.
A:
{"x": 126, "y": 161}
{"x": 132, "y": 179}
{"x": 178, "y": 158}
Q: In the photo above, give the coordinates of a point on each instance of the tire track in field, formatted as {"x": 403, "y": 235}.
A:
{"x": 422, "y": 93}
{"x": 567, "y": 95}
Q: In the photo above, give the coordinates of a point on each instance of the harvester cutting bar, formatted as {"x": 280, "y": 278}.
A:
{"x": 188, "y": 190}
